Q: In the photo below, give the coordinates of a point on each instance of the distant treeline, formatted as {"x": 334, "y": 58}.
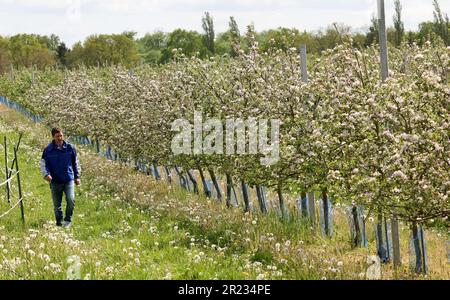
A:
{"x": 40, "y": 52}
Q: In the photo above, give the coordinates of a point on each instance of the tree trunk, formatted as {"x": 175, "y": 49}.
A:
{"x": 246, "y": 197}
{"x": 205, "y": 184}
{"x": 282, "y": 204}
{"x": 216, "y": 184}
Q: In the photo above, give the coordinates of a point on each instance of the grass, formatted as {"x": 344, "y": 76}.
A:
{"x": 128, "y": 226}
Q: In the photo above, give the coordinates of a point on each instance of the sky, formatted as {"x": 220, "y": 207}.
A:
{"x": 74, "y": 20}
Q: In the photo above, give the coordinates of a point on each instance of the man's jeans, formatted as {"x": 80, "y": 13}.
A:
{"x": 57, "y": 194}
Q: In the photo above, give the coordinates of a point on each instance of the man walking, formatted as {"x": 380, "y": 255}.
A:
{"x": 61, "y": 168}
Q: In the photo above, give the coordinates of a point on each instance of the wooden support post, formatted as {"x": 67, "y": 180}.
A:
{"x": 303, "y": 62}
{"x": 384, "y": 75}
{"x": 22, "y": 212}
{"x": 309, "y": 196}
{"x": 395, "y": 242}
{"x": 6, "y": 170}
{"x": 383, "y": 40}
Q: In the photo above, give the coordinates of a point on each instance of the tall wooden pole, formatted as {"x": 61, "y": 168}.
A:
{"x": 22, "y": 212}
{"x": 384, "y": 76}
{"x": 6, "y": 169}
{"x": 303, "y": 61}
{"x": 383, "y": 40}
{"x": 305, "y": 79}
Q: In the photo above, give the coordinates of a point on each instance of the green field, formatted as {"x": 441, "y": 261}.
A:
{"x": 127, "y": 226}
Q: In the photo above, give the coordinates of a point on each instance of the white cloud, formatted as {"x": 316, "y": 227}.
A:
{"x": 47, "y": 5}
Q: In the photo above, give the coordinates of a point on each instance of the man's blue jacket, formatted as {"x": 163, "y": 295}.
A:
{"x": 62, "y": 164}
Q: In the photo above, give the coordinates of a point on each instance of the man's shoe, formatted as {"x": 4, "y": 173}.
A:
{"x": 59, "y": 224}
{"x": 67, "y": 224}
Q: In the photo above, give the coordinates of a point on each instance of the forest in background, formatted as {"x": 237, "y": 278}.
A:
{"x": 41, "y": 52}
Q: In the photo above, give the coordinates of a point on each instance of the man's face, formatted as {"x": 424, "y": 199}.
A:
{"x": 59, "y": 137}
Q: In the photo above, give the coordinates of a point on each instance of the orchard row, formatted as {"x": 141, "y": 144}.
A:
{"x": 345, "y": 133}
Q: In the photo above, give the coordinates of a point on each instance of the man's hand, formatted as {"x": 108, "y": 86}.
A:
{"x": 78, "y": 182}
{"x": 48, "y": 178}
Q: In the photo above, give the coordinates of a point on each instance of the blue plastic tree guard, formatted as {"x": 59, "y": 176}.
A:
{"x": 246, "y": 197}
{"x": 156, "y": 172}
{"x": 384, "y": 240}
{"x": 326, "y": 216}
{"x": 211, "y": 188}
{"x": 184, "y": 183}
{"x": 216, "y": 191}
{"x": 307, "y": 207}
{"x": 261, "y": 193}
{"x": 357, "y": 226}
{"x": 418, "y": 251}
{"x": 21, "y": 109}
{"x": 168, "y": 174}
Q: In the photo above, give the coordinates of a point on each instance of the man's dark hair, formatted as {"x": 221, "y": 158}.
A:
{"x": 56, "y": 130}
